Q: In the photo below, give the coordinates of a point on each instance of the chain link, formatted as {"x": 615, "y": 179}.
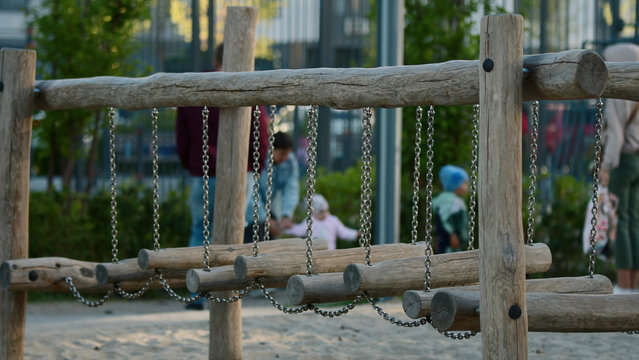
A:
{"x": 256, "y": 178}
{"x": 277, "y": 305}
{"x": 418, "y": 151}
{"x": 335, "y": 313}
{"x": 82, "y": 299}
{"x": 205, "y": 186}
{"x": 137, "y": 294}
{"x": 113, "y": 175}
{"x": 430, "y": 130}
{"x": 167, "y": 288}
{"x": 365, "y": 202}
{"x": 473, "y": 178}
{"x": 388, "y": 317}
{"x": 269, "y": 174}
{"x": 595, "y": 186}
{"x": 156, "y": 179}
{"x": 311, "y": 151}
{"x": 532, "y": 189}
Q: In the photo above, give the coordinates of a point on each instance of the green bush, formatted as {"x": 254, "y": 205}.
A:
{"x": 79, "y": 226}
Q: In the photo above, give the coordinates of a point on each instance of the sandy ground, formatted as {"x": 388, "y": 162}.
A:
{"x": 162, "y": 329}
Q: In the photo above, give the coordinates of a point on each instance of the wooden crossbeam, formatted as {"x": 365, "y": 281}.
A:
{"x": 547, "y": 312}
{"x": 568, "y": 75}
{"x": 394, "y": 277}
{"x": 417, "y": 303}
{"x": 325, "y": 261}
{"x": 219, "y": 254}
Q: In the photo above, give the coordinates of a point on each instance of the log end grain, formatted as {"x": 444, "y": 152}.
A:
{"x": 143, "y": 258}
{"x": 192, "y": 281}
{"x": 412, "y": 304}
{"x": 592, "y": 77}
{"x": 443, "y": 310}
{"x": 352, "y": 277}
{"x": 295, "y": 290}
{"x": 239, "y": 266}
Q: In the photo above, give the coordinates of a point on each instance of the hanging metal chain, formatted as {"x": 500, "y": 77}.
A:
{"x": 156, "y": 180}
{"x": 205, "y": 187}
{"x": 473, "y": 178}
{"x": 532, "y": 188}
{"x": 256, "y": 178}
{"x": 269, "y": 174}
{"x": 113, "y": 175}
{"x": 277, "y": 305}
{"x": 137, "y": 294}
{"x": 176, "y": 296}
{"x": 595, "y": 187}
{"x": 335, "y": 313}
{"x": 430, "y": 130}
{"x": 388, "y": 317}
{"x": 311, "y": 151}
{"x": 83, "y": 300}
{"x": 418, "y": 152}
{"x": 366, "y": 179}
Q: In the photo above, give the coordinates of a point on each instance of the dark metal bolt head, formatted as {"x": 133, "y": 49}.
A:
{"x": 1, "y": 86}
{"x": 514, "y": 312}
{"x": 488, "y": 65}
{"x": 33, "y": 275}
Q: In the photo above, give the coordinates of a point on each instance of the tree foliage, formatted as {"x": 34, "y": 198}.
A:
{"x": 80, "y": 38}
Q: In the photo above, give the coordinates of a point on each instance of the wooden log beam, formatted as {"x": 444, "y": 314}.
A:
{"x": 222, "y": 254}
{"x": 128, "y": 270}
{"x": 222, "y": 278}
{"x": 568, "y": 75}
{"x": 394, "y": 277}
{"x": 325, "y": 261}
{"x": 502, "y": 260}
{"x": 623, "y": 81}
{"x": 547, "y": 312}
{"x": 417, "y": 303}
{"x": 225, "y": 320}
{"x": 321, "y": 288}
{"x": 17, "y": 76}
{"x": 48, "y": 274}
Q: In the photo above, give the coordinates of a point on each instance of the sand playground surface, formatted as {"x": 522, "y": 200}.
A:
{"x": 163, "y": 329}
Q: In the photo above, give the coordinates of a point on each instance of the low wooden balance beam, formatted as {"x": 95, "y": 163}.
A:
{"x": 48, "y": 274}
{"x": 325, "y": 261}
{"x": 547, "y": 312}
{"x": 223, "y": 254}
{"x": 394, "y": 277}
{"x": 417, "y": 304}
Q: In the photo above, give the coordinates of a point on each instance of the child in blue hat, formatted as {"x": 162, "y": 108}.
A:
{"x": 449, "y": 210}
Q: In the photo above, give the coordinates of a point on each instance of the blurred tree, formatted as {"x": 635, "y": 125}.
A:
{"x": 80, "y": 38}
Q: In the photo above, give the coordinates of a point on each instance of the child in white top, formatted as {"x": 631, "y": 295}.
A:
{"x": 325, "y": 225}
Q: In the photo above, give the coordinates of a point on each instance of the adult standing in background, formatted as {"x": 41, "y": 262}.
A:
{"x": 189, "y": 148}
{"x": 620, "y": 172}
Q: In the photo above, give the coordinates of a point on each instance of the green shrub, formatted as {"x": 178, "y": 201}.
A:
{"x": 78, "y": 226}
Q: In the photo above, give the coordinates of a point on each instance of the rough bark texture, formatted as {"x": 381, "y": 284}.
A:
{"x": 417, "y": 303}
{"x": 501, "y": 235}
{"x": 17, "y": 74}
{"x": 568, "y": 75}
{"x": 232, "y": 157}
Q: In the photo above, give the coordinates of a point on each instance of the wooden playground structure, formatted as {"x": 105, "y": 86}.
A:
{"x": 510, "y": 305}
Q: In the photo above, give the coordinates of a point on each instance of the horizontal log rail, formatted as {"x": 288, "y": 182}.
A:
{"x": 321, "y": 288}
{"x": 394, "y": 277}
{"x": 284, "y": 265}
{"x": 48, "y": 274}
{"x": 547, "y": 312}
{"x": 417, "y": 303}
{"x": 224, "y": 254}
{"x": 128, "y": 270}
{"x": 222, "y": 278}
{"x": 568, "y": 75}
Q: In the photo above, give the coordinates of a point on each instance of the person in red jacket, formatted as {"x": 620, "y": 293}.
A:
{"x": 189, "y": 148}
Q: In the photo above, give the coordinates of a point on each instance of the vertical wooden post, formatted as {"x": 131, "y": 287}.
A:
{"x": 17, "y": 77}
{"x": 504, "y": 323}
{"x": 230, "y": 183}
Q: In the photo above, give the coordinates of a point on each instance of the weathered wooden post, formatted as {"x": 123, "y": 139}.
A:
{"x": 232, "y": 161}
{"x": 504, "y": 322}
{"x": 17, "y": 77}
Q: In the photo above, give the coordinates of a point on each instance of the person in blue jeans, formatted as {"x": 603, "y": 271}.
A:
{"x": 188, "y": 130}
{"x": 285, "y": 190}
